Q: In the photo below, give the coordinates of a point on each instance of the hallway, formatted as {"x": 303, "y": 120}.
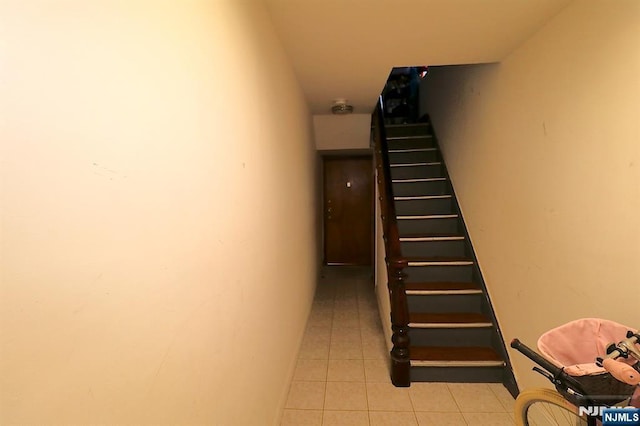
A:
{"x": 342, "y": 375}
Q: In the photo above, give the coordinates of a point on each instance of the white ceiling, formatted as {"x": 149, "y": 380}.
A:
{"x": 346, "y": 48}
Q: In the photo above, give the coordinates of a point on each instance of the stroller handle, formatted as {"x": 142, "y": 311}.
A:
{"x": 535, "y": 357}
{"x": 621, "y": 371}
{"x": 559, "y": 376}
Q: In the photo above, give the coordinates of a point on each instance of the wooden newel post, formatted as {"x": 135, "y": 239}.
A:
{"x": 400, "y": 361}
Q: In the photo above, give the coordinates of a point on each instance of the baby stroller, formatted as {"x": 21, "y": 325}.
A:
{"x": 571, "y": 357}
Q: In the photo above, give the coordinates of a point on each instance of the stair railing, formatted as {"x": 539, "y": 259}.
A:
{"x": 400, "y": 361}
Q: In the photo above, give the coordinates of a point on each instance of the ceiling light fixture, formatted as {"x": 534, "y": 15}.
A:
{"x": 341, "y": 107}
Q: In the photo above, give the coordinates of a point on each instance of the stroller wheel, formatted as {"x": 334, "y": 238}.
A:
{"x": 546, "y": 407}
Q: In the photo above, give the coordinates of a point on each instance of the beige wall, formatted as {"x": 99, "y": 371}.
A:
{"x": 342, "y": 131}
{"x": 158, "y": 251}
{"x": 543, "y": 151}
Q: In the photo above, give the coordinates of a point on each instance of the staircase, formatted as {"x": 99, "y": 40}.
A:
{"x": 452, "y": 332}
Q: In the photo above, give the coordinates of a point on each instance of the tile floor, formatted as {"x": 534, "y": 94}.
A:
{"x": 339, "y": 382}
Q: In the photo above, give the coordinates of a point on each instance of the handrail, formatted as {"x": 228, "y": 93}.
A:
{"x": 400, "y": 360}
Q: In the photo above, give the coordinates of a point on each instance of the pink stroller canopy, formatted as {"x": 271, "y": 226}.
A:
{"x": 576, "y": 345}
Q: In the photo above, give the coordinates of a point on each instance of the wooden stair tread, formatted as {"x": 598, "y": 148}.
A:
{"x": 409, "y": 137}
{"x": 431, "y": 235}
{"x": 427, "y": 217}
{"x": 422, "y": 197}
{"x": 401, "y": 150}
{"x": 438, "y": 259}
{"x": 442, "y": 353}
{"x": 403, "y": 125}
{"x": 414, "y": 163}
{"x": 447, "y": 318}
{"x": 417, "y": 180}
{"x": 440, "y": 286}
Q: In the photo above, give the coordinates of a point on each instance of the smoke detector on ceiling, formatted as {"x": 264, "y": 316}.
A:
{"x": 341, "y": 106}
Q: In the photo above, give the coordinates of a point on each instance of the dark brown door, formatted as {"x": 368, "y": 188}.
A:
{"x": 348, "y": 215}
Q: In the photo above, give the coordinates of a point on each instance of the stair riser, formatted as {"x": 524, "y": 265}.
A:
{"x": 433, "y": 248}
{"x": 424, "y": 207}
{"x": 451, "y": 337}
{"x": 458, "y": 374}
{"x": 414, "y": 143}
{"x": 427, "y": 226}
{"x": 413, "y": 157}
{"x": 417, "y": 172}
{"x": 440, "y": 273}
{"x": 445, "y": 303}
{"x": 421, "y": 188}
{"x": 420, "y": 130}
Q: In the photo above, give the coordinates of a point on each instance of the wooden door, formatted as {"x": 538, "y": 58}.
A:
{"x": 348, "y": 210}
